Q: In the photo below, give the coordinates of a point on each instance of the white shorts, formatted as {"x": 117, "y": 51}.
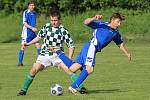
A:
{"x": 47, "y": 60}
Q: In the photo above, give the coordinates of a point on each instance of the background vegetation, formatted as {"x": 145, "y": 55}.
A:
{"x": 11, "y": 6}
{"x": 73, "y": 13}
{"x": 118, "y": 79}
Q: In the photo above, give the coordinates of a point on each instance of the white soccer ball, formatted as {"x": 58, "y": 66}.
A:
{"x": 56, "y": 90}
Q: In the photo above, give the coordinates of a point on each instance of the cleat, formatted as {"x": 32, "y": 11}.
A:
{"x": 83, "y": 90}
{"x": 21, "y": 93}
{"x": 20, "y": 65}
{"x": 73, "y": 91}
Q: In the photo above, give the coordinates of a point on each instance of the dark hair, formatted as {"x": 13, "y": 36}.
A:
{"x": 31, "y": 2}
{"x": 117, "y": 15}
{"x": 54, "y": 12}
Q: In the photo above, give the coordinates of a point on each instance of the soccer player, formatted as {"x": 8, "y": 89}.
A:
{"x": 103, "y": 34}
{"x": 54, "y": 34}
{"x": 28, "y": 31}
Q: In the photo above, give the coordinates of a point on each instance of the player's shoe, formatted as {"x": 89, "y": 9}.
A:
{"x": 73, "y": 91}
{"x": 21, "y": 93}
{"x": 83, "y": 90}
{"x": 19, "y": 65}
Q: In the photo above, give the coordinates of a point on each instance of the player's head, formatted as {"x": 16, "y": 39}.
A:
{"x": 55, "y": 18}
{"x": 31, "y": 5}
{"x": 116, "y": 20}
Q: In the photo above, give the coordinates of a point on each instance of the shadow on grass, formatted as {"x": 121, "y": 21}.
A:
{"x": 105, "y": 91}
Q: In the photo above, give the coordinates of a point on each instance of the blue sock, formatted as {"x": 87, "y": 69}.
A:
{"x": 38, "y": 51}
{"x": 68, "y": 62}
{"x": 20, "y": 56}
{"x": 83, "y": 75}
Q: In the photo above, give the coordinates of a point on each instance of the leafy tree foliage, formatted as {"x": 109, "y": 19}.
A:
{"x": 73, "y": 6}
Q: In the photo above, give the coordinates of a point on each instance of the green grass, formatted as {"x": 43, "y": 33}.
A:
{"x": 114, "y": 78}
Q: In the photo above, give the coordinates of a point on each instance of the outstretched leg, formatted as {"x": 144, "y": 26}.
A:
{"x": 69, "y": 63}
{"x": 29, "y": 78}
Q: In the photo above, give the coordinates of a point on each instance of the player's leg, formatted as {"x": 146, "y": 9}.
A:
{"x": 83, "y": 75}
{"x": 29, "y": 78}
{"x": 21, "y": 55}
{"x": 73, "y": 76}
{"x": 38, "y": 46}
{"x": 41, "y": 63}
{"x": 66, "y": 60}
{"x": 87, "y": 58}
{"x": 66, "y": 65}
{"x": 21, "y": 51}
{"x": 63, "y": 66}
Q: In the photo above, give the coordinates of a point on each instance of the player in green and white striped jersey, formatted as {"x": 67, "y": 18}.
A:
{"x": 54, "y": 35}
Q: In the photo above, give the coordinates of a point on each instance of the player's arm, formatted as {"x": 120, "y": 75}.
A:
{"x": 70, "y": 43}
{"x": 119, "y": 42}
{"x": 89, "y": 20}
{"x": 34, "y": 29}
{"x": 40, "y": 35}
{"x": 71, "y": 52}
{"x": 25, "y": 22}
{"x": 35, "y": 40}
{"x": 124, "y": 49}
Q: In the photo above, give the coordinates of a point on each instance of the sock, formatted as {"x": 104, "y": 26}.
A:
{"x": 68, "y": 62}
{"x": 20, "y": 56}
{"x": 74, "y": 78}
{"x": 28, "y": 80}
{"x": 38, "y": 51}
{"x": 83, "y": 75}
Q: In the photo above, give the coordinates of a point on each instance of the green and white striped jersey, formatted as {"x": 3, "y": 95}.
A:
{"x": 54, "y": 37}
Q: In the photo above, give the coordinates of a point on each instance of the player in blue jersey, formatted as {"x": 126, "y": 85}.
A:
{"x": 103, "y": 34}
{"x": 28, "y": 31}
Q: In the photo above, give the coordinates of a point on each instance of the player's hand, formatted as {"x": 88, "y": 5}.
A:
{"x": 54, "y": 49}
{"x": 98, "y": 17}
{"x": 34, "y": 29}
{"x": 24, "y": 45}
{"x": 51, "y": 48}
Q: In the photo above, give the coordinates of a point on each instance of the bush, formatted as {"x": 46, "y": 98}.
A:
{"x": 74, "y": 6}
{"x": 136, "y": 24}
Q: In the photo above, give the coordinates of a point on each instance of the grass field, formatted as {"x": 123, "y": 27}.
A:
{"x": 115, "y": 78}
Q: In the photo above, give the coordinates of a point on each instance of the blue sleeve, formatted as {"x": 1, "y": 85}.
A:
{"x": 95, "y": 24}
{"x": 117, "y": 39}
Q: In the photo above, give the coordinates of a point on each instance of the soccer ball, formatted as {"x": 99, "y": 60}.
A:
{"x": 56, "y": 89}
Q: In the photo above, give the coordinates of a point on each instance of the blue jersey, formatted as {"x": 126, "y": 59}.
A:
{"x": 30, "y": 18}
{"x": 103, "y": 34}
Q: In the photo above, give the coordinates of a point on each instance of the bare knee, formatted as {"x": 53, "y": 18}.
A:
{"x": 35, "y": 69}
{"x": 75, "y": 67}
{"x": 65, "y": 68}
{"x": 89, "y": 69}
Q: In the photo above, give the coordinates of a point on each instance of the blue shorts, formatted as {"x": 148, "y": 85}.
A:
{"x": 87, "y": 55}
{"x": 27, "y": 35}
